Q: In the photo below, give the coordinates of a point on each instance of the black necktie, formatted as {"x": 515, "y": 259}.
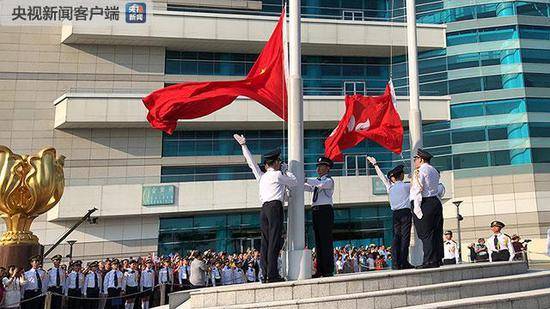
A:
{"x": 316, "y": 192}
{"x": 38, "y": 279}
{"x": 58, "y": 279}
{"x": 495, "y": 240}
{"x": 76, "y": 281}
{"x": 115, "y": 279}
{"x": 95, "y": 280}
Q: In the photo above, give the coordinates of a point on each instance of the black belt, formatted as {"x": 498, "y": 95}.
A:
{"x": 317, "y": 207}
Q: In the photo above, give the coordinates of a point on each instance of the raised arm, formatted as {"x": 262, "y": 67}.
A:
{"x": 248, "y": 156}
{"x": 381, "y": 175}
{"x": 287, "y": 178}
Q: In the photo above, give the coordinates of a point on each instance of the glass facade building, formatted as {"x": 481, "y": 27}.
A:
{"x": 496, "y": 69}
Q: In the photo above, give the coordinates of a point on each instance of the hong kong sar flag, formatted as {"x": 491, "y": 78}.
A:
{"x": 373, "y": 118}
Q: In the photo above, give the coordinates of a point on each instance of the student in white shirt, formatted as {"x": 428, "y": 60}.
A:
{"x": 323, "y": 216}
{"x": 273, "y": 185}
{"x": 131, "y": 277}
{"x": 398, "y": 194}
{"x": 13, "y": 284}
{"x": 147, "y": 283}
{"x": 451, "y": 254}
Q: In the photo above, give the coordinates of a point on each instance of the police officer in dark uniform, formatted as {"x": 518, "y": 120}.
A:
{"x": 427, "y": 209}
{"x": 272, "y": 185}
{"x": 323, "y": 216}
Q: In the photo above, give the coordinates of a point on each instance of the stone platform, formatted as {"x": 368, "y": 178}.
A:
{"x": 458, "y": 286}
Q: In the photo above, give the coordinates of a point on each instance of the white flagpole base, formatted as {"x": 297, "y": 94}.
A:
{"x": 301, "y": 261}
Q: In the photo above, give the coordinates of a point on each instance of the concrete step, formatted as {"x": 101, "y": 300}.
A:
{"x": 344, "y": 285}
{"x": 519, "y": 300}
{"x": 412, "y": 296}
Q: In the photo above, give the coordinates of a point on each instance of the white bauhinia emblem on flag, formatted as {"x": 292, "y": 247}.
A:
{"x": 363, "y": 126}
{"x": 351, "y": 123}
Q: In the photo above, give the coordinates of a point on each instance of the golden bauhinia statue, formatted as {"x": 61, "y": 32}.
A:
{"x": 29, "y": 187}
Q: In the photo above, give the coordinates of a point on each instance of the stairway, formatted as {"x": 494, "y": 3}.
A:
{"x": 495, "y": 285}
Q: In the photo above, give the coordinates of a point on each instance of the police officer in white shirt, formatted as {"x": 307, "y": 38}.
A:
{"x": 147, "y": 283}
{"x": 239, "y": 276}
{"x": 450, "y": 255}
{"x": 183, "y": 275}
{"x": 273, "y": 185}
{"x": 56, "y": 281}
{"x": 398, "y": 194}
{"x": 35, "y": 282}
{"x": 92, "y": 286}
{"x": 75, "y": 285}
{"x": 227, "y": 275}
{"x": 499, "y": 244}
{"x": 323, "y": 216}
{"x": 113, "y": 284}
{"x": 427, "y": 209}
{"x": 251, "y": 273}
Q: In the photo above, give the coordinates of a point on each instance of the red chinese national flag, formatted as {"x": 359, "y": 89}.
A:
{"x": 373, "y": 118}
{"x": 264, "y": 83}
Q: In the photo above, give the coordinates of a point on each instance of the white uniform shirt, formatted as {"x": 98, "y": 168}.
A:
{"x": 110, "y": 280}
{"x": 52, "y": 277}
{"x": 503, "y": 243}
{"x": 31, "y": 282}
{"x": 272, "y": 182}
{"x": 132, "y": 278}
{"x": 183, "y": 273}
{"x": 425, "y": 183}
{"x": 325, "y": 189}
{"x": 238, "y": 275}
{"x": 398, "y": 192}
{"x": 147, "y": 279}
{"x": 227, "y": 275}
{"x": 90, "y": 281}
{"x": 450, "y": 250}
{"x": 166, "y": 275}
{"x": 251, "y": 274}
{"x": 75, "y": 280}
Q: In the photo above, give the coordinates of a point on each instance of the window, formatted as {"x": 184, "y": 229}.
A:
{"x": 492, "y": 82}
{"x": 537, "y": 80}
{"x": 541, "y": 155}
{"x": 534, "y": 32}
{"x": 461, "y": 37}
{"x": 468, "y": 136}
{"x": 536, "y": 105}
{"x": 535, "y": 55}
{"x": 463, "y": 61}
{"x": 467, "y": 110}
{"x": 470, "y": 160}
{"x": 465, "y": 85}
{"x": 532, "y": 9}
{"x": 539, "y": 129}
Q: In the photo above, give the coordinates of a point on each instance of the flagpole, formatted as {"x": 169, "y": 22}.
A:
{"x": 415, "y": 116}
{"x": 298, "y": 258}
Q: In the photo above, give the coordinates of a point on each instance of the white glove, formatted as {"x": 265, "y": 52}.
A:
{"x": 284, "y": 167}
{"x": 240, "y": 139}
{"x": 372, "y": 160}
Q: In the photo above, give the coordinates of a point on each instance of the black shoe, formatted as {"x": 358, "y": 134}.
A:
{"x": 328, "y": 275}
{"x": 428, "y": 265}
{"x": 316, "y": 275}
{"x": 276, "y": 279}
{"x": 407, "y": 266}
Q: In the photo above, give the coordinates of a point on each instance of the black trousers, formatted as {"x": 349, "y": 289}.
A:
{"x": 74, "y": 302}
{"x": 430, "y": 230}
{"x": 449, "y": 261}
{"x": 323, "y": 221}
{"x": 37, "y": 303}
{"x": 502, "y": 255}
{"x": 92, "y": 303}
{"x": 115, "y": 303}
{"x": 271, "y": 225}
{"x": 402, "y": 221}
{"x": 56, "y": 299}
